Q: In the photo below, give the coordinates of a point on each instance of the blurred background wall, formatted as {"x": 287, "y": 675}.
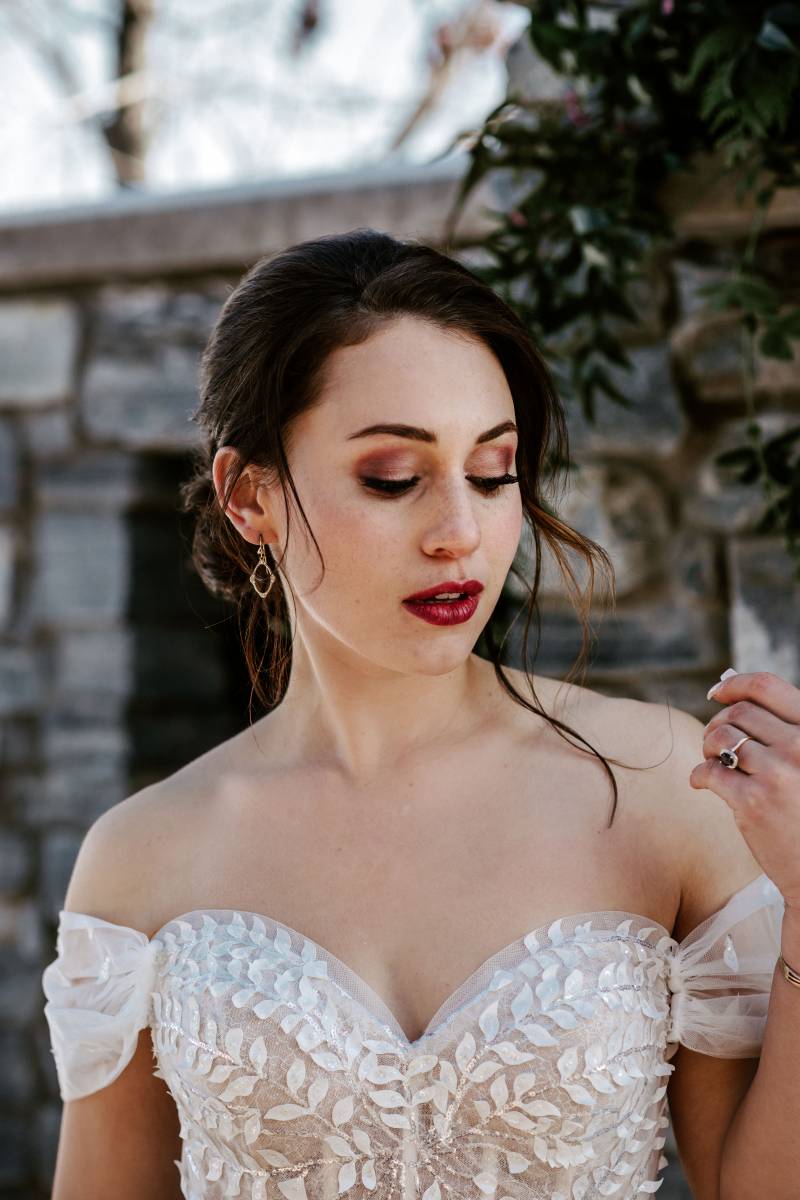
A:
{"x": 116, "y": 667}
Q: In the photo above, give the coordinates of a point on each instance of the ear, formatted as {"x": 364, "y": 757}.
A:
{"x": 250, "y": 505}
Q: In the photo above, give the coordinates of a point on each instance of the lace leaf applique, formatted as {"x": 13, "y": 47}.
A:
{"x": 544, "y": 1073}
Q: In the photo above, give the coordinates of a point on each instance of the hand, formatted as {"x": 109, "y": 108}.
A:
{"x": 763, "y": 791}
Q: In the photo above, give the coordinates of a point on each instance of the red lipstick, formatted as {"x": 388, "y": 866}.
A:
{"x": 460, "y": 606}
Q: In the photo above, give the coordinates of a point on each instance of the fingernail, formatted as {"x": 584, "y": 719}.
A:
{"x": 726, "y": 674}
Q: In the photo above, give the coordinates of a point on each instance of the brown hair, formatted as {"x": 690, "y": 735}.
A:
{"x": 264, "y": 364}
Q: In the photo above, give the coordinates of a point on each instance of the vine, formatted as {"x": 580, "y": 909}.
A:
{"x": 651, "y": 87}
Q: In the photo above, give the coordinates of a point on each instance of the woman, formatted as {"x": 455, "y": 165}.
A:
{"x": 414, "y": 955}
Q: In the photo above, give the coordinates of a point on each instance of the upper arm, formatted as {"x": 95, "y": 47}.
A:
{"x": 714, "y": 860}
{"x": 124, "y": 1139}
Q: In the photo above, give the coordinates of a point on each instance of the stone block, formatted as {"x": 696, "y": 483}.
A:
{"x": 689, "y": 276}
{"x": 94, "y": 479}
{"x": 765, "y": 612}
{"x": 20, "y": 990}
{"x": 18, "y": 742}
{"x": 684, "y": 692}
{"x": 659, "y": 636}
{"x": 81, "y": 569}
{"x": 140, "y": 387}
{"x": 140, "y": 404}
{"x": 654, "y": 425}
{"x": 7, "y": 562}
{"x": 20, "y": 685}
{"x": 106, "y": 479}
{"x": 92, "y": 672}
{"x": 709, "y": 349}
{"x": 710, "y": 497}
{"x": 777, "y": 256}
{"x": 19, "y": 789}
{"x": 59, "y": 851}
{"x": 9, "y": 464}
{"x": 17, "y": 1077}
{"x": 16, "y": 861}
{"x": 14, "y": 1172}
{"x": 49, "y": 434}
{"x": 648, "y": 296}
{"x": 21, "y": 927}
{"x": 67, "y": 739}
{"x": 778, "y": 379}
{"x": 70, "y": 793}
{"x": 38, "y": 346}
{"x": 708, "y": 352}
{"x": 702, "y": 200}
{"x": 617, "y": 505}
{"x": 692, "y": 567}
{"x": 45, "y": 1135}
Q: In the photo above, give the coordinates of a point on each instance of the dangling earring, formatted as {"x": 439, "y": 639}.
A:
{"x": 262, "y": 562}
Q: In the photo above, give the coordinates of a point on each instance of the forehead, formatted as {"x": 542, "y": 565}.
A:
{"x": 410, "y": 364}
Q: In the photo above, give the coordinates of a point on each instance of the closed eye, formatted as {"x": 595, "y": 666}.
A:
{"x": 489, "y": 485}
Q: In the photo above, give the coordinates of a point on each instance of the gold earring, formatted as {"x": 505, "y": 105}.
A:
{"x": 262, "y": 562}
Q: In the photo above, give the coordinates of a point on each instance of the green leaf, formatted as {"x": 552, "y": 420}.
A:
{"x": 745, "y": 455}
{"x": 788, "y": 323}
{"x": 775, "y": 344}
{"x": 720, "y": 43}
{"x": 786, "y": 438}
{"x": 749, "y": 292}
{"x": 750, "y": 469}
{"x": 718, "y": 93}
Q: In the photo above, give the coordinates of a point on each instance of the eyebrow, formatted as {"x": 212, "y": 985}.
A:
{"x": 425, "y": 435}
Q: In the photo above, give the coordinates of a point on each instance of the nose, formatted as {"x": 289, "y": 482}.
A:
{"x": 455, "y": 528}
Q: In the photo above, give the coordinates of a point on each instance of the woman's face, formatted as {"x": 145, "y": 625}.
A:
{"x": 448, "y": 392}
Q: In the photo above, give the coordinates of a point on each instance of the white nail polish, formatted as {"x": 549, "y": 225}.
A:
{"x": 726, "y": 674}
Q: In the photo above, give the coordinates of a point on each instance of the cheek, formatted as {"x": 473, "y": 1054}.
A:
{"x": 357, "y": 539}
{"x": 504, "y": 528}
{"x": 362, "y": 538}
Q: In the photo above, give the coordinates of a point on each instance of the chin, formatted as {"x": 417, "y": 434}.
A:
{"x": 441, "y": 660}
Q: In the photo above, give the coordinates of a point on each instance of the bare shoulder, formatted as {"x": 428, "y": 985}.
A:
{"x": 617, "y": 726}
{"x": 709, "y": 855}
{"x": 656, "y": 746}
{"x": 115, "y": 875}
{"x": 128, "y": 854}
{"x": 134, "y": 852}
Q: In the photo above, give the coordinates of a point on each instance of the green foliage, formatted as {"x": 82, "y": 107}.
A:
{"x": 646, "y": 90}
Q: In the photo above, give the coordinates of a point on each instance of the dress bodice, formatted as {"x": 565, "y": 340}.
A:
{"x": 543, "y": 1075}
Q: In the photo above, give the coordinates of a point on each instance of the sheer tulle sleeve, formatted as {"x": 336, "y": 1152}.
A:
{"x": 98, "y": 997}
{"x": 720, "y": 975}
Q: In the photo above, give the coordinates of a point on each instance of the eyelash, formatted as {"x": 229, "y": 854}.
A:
{"x": 490, "y": 486}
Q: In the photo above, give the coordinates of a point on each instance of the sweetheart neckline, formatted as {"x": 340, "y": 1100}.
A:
{"x": 431, "y": 1028}
{"x": 357, "y": 982}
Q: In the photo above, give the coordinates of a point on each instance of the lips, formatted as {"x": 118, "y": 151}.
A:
{"x": 469, "y": 587}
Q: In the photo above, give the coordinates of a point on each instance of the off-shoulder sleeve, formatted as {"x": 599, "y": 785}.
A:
{"x": 98, "y": 996}
{"x": 720, "y": 975}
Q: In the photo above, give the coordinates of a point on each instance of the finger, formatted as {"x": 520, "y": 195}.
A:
{"x": 773, "y": 693}
{"x": 757, "y": 721}
{"x": 753, "y": 757}
{"x": 731, "y": 786}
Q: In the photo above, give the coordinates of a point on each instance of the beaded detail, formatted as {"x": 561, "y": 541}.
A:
{"x": 543, "y": 1075}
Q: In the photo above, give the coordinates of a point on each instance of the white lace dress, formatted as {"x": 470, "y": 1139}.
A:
{"x": 543, "y": 1075}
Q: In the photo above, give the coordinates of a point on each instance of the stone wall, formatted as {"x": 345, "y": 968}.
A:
{"x": 116, "y": 667}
